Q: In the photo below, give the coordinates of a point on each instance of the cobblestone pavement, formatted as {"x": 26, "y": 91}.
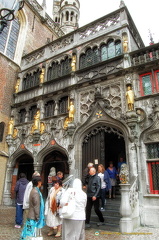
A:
{"x": 8, "y": 232}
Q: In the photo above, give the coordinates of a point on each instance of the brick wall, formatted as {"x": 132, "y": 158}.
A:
{"x": 37, "y": 32}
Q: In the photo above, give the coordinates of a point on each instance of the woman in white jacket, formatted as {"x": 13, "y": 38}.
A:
{"x": 74, "y": 227}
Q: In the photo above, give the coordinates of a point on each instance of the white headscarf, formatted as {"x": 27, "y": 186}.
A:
{"x": 77, "y": 184}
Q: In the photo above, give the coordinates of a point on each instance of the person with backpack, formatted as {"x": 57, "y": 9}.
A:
{"x": 19, "y": 190}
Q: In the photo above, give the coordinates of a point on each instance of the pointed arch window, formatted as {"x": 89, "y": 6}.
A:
{"x": 31, "y": 80}
{"x": 67, "y": 16}
{"x": 82, "y": 61}
{"x": 22, "y": 115}
{"x": 49, "y": 108}
{"x": 2, "y": 125}
{"x": 9, "y": 38}
{"x": 65, "y": 66}
{"x": 118, "y": 48}
{"x": 32, "y": 112}
{"x": 104, "y": 54}
{"x": 72, "y": 15}
{"x": 111, "y": 49}
{"x": 63, "y": 105}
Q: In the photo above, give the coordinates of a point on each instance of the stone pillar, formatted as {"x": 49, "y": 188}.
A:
{"x": 56, "y": 111}
{"x": 38, "y": 167}
{"x": 7, "y": 189}
{"x": 126, "y": 224}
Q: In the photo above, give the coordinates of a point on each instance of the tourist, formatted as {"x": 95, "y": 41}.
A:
{"x": 113, "y": 174}
{"x": 19, "y": 190}
{"x": 35, "y": 219}
{"x": 74, "y": 227}
{"x": 105, "y": 184}
{"x": 53, "y": 219}
{"x": 93, "y": 195}
{"x": 85, "y": 175}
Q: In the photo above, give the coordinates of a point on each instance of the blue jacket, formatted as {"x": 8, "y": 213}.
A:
{"x": 20, "y": 189}
{"x": 107, "y": 180}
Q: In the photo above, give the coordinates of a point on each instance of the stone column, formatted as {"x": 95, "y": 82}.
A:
{"x": 126, "y": 224}
{"x": 7, "y": 189}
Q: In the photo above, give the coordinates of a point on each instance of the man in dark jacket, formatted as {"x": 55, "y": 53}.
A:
{"x": 20, "y": 189}
{"x": 93, "y": 194}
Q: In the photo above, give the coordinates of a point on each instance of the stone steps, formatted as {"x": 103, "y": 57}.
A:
{"x": 111, "y": 215}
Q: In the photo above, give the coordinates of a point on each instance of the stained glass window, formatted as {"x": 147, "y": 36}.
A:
{"x": 9, "y": 38}
{"x": 104, "y": 54}
{"x": 146, "y": 84}
{"x": 117, "y": 48}
{"x": 65, "y": 67}
{"x": 31, "y": 80}
{"x": 153, "y": 150}
{"x": 89, "y": 57}
{"x": 111, "y": 49}
{"x": 96, "y": 56}
{"x": 93, "y": 56}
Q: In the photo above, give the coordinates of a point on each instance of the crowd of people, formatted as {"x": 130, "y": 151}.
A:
{"x": 66, "y": 212}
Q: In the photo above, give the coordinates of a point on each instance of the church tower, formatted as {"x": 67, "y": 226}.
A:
{"x": 56, "y": 11}
{"x": 66, "y": 13}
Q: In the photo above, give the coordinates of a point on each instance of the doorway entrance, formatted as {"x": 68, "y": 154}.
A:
{"x": 57, "y": 160}
{"x": 103, "y": 144}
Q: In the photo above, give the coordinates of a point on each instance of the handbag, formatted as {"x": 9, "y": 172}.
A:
{"x": 69, "y": 209}
{"x": 37, "y": 235}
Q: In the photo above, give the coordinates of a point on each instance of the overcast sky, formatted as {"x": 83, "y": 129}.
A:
{"x": 144, "y": 13}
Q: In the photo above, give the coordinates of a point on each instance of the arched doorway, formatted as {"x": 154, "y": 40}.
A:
{"x": 23, "y": 164}
{"x": 103, "y": 144}
{"x": 55, "y": 159}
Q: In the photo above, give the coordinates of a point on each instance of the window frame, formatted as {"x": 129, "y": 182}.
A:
{"x": 141, "y": 83}
{"x": 156, "y": 80}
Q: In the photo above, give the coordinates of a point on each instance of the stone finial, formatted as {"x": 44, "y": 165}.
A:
{"x": 124, "y": 174}
{"x": 122, "y": 4}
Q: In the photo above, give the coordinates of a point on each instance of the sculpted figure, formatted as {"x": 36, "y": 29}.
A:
{"x": 52, "y": 172}
{"x": 42, "y": 75}
{"x": 17, "y": 86}
{"x": 15, "y": 132}
{"x": 73, "y": 63}
{"x": 71, "y": 109}
{"x": 36, "y": 125}
{"x": 130, "y": 98}
{"x": 42, "y": 127}
{"x": 66, "y": 122}
{"x": 125, "y": 46}
{"x": 10, "y": 127}
{"x": 124, "y": 174}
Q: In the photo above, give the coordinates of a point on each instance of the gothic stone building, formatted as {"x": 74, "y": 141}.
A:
{"x": 71, "y": 108}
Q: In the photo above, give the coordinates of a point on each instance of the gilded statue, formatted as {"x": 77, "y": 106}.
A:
{"x": 42, "y": 127}
{"x": 130, "y": 98}
{"x": 125, "y": 46}
{"x": 15, "y": 132}
{"x": 17, "y": 86}
{"x": 10, "y": 127}
{"x": 66, "y": 122}
{"x": 42, "y": 75}
{"x": 36, "y": 125}
{"x": 73, "y": 63}
{"x": 71, "y": 109}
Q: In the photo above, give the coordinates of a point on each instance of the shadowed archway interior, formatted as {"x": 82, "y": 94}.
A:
{"x": 57, "y": 160}
{"x": 105, "y": 144}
